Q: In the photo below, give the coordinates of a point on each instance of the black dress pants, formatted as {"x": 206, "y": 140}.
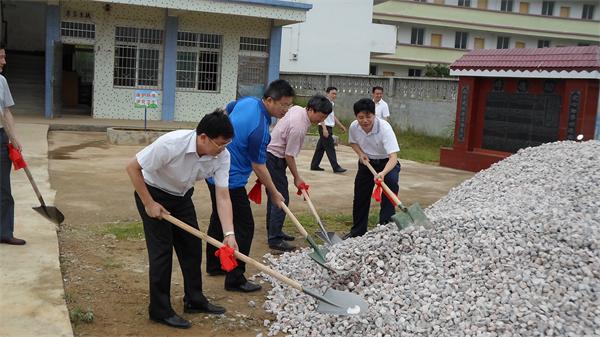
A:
{"x": 243, "y": 225}
{"x": 161, "y": 237}
{"x": 7, "y": 203}
{"x": 325, "y": 145}
{"x": 363, "y": 189}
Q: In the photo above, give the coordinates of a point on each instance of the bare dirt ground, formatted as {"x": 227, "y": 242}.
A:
{"x": 108, "y": 276}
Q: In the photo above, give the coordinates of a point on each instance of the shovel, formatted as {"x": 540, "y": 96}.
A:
{"x": 329, "y": 237}
{"x": 50, "y": 212}
{"x": 319, "y": 253}
{"x": 412, "y": 215}
{"x": 333, "y": 301}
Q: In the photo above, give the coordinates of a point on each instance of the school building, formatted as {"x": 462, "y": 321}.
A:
{"x": 94, "y": 57}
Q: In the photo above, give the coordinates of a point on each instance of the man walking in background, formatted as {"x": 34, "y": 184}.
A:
{"x": 7, "y": 133}
{"x": 326, "y": 142}
{"x": 381, "y": 107}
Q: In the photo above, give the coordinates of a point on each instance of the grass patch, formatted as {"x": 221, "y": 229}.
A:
{"x": 334, "y": 222}
{"x": 414, "y": 146}
{"x": 78, "y": 315}
{"x": 126, "y": 230}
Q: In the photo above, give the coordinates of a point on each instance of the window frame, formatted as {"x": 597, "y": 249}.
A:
{"x": 464, "y": 3}
{"x": 503, "y": 42}
{"x": 413, "y": 72}
{"x": 464, "y": 40}
{"x": 589, "y": 10}
{"x": 199, "y": 47}
{"x": 417, "y": 36}
{"x": 548, "y": 8}
{"x": 543, "y": 43}
{"x": 133, "y": 43}
{"x": 506, "y": 6}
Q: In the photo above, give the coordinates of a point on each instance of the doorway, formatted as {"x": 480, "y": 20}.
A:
{"x": 77, "y": 79}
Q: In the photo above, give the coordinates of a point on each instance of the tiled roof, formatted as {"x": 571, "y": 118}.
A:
{"x": 529, "y": 59}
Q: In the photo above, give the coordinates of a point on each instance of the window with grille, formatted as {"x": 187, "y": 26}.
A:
{"x": 254, "y": 44}
{"x": 506, "y": 5}
{"x": 503, "y": 42}
{"x": 543, "y": 43}
{"x": 137, "y": 57}
{"x": 548, "y": 8}
{"x": 464, "y": 3}
{"x": 588, "y": 12}
{"x": 460, "y": 40}
{"x": 198, "y": 61}
{"x": 416, "y": 36}
{"x": 78, "y": 29}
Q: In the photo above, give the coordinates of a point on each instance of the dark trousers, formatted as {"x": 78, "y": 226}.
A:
{"x": 7, "y": 203}
{"x": 276, "y": 216}
{"x": 243, "y": 225}
{"x": 363, "y": 189}
{"x": 325, "y": 145}
{"x": 161, "y": 237}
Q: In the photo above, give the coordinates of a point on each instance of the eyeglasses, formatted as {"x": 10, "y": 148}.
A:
{"x": 220, "y": 147}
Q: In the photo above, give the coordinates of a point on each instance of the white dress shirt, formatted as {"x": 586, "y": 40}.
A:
{"x": 381, "y": 109}
{"x": 330, "y": 120}
{"x": 377, "y": 144}
{"x": 6, "y": 100}
{"x": 172, "y": 163}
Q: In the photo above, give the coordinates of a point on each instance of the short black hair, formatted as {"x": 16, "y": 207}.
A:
{"x": 377, "y": 88}
{"x": 330, "y": 88}
{"x": 364, "y": 105}
{"x": 320, "y": 103}
{"x": 2, "y": 45}
{"x": 215, "y": 124}
{"x": 279, "y": 89}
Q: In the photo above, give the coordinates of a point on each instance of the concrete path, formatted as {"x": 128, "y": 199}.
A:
{"x": 31, "y": 289}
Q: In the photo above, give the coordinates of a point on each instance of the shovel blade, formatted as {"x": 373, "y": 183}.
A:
{"x": 413, "y": 216}
{"x": 338, "y": 302}
{"x": 51, "y": 213}
{"x": 330, "y": 238}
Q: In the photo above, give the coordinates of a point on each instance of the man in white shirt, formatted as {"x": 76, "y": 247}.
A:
{"x": 381, "y": 107}
{"x": 164, "y": 174}
{"x": 326, "y": 143}
{"x": 7, "y": 133}
{"x": 375, "y": 142}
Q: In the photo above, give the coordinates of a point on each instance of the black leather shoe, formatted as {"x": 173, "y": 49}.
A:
{"x": 216, "y": 272}
{"x": 247, "y": 287}
{"x": 13, "y": 241}
{"x": 283, "y": 246}
{"x": 288, "y": 237}
{"x": 339, "y": 170}
{"x": 174, "y": 321}
{"x": 316, "y": 169}
{"x": 205, "y": 308}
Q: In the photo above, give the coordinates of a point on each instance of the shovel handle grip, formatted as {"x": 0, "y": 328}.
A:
{"x": 294, "y": 220}
{"x": 388, "y": 192}
{"x": 248, "y": 260}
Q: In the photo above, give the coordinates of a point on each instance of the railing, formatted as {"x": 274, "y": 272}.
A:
{"x": 417, "y": 88}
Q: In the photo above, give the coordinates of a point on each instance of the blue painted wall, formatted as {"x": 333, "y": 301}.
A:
{"x": 52, "y": 37}
{"x": 274, "y": 54}
{"x": 170, "y": 69}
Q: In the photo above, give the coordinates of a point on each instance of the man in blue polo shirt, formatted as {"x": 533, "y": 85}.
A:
{"x": 251, "y": 118}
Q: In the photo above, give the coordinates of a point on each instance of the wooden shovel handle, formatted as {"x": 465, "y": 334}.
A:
{"x": 294, "y": 220}
{"x": 388, "y": 191}
{"x": 311, "y": 205}
{"x": 238, "y": 255}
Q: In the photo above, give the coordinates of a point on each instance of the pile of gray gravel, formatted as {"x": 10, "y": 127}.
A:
{"x": 514, "y": 251}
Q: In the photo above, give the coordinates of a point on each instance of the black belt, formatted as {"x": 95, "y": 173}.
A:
{"x": 379, "y": 161}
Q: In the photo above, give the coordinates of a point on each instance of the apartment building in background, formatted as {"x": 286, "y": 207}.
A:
{"x": 441, "y": 31}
